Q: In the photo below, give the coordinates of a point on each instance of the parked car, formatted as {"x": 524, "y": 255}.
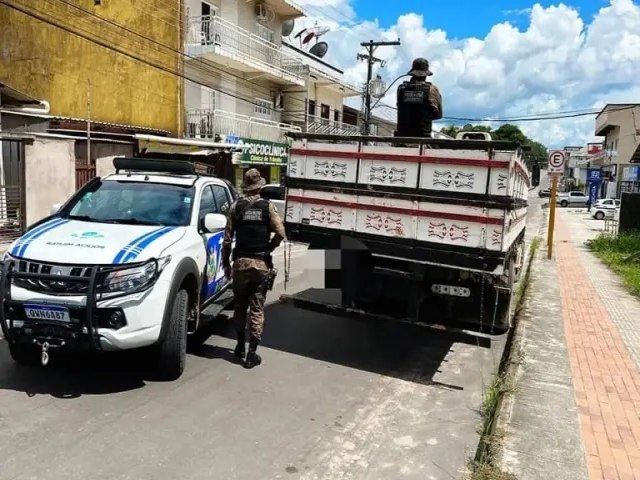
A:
{"x": 605, "y": 208}
{"x": 129, "y": 261}
{"x": 545, "y": 193}
{"x": 572, "y": 198}
{"x": 275, "y": 193}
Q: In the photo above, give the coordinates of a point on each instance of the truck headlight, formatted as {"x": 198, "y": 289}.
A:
{"x": 134, "y": 279}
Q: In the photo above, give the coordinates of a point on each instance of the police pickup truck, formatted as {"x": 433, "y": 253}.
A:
{"x": 129, "y": 261}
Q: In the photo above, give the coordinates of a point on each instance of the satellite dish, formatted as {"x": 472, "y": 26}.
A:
{"x": 319, "y": 30}
{"x": 308, "y": 38}
{"x": 300, "y": 33}
{"x": 287, "y": 27}
{"x": 319, "y": 49}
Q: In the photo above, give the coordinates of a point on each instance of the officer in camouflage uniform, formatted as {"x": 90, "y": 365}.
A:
{"x": 252, "y": 219}
{"x": 419, "y": 103}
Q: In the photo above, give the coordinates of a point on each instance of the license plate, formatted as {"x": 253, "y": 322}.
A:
{"x": 47, "y": 313}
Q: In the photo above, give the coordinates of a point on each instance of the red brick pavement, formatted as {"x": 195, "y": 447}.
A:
{"x": 606, "y": 381}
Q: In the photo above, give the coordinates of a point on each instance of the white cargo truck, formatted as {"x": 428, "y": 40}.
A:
{"x": 429, "y": 230}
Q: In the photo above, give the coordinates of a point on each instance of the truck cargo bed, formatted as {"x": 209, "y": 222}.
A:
{"x": 462, "y": 204}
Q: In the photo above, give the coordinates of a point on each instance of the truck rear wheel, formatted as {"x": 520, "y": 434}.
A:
{"x": 172, "y": 348}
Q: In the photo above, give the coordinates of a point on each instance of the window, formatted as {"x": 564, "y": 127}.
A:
{"x": 272, "y": 192}
{"x": 207, "y": 202}
{"x": 263, "y": 108}
{"x": 141, "y": 203}
{"x": 312, "y": 108}
{"x": 221, "y": 198}
{"x": 336, "y": 115}
{"x": 214, "y": 200}
{"x": 208, "y": 12}
{"x": 577, "y": 194}
{"x": 325, "y": 111}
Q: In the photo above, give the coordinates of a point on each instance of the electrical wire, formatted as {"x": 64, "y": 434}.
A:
{"x": 538, "y": 118}
{"x": 91, "y": 37}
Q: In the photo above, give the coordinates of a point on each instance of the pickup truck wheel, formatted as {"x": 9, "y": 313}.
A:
{"x": 173, "y": 347}
{"x": 564, "y": 204}
{"x": 24, "y": 354}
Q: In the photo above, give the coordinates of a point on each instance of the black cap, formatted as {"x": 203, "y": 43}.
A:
{"x": 420, "y": 68}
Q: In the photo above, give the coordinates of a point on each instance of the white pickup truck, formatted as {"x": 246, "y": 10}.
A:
{"x": 130, "y": 261}
{"x": 428, "y": 230}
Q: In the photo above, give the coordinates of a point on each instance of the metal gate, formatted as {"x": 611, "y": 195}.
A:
{"x": 12, "y": 191}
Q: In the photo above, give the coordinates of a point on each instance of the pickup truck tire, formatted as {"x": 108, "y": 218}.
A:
{"x": 564, "y": 204}
{"x": 24, "y": 354}
{"x": 172, "y": 348}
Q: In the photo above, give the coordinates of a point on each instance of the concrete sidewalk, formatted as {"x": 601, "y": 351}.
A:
{"x": 575, "y": 410}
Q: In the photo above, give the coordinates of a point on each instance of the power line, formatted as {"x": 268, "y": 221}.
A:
{"x": 537, "y": 118}
{"x": 198, "y": 60}
{"x": 94, "y": 39}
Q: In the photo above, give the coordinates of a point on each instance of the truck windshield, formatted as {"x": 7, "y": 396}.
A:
{"x": 134, "y": 203}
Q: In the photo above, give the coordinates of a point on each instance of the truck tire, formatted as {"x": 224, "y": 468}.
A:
{"x": 564, "y": 204}
{"x": 172, "y": 348}
{"x": 24, "y": 354}
{"x": 599, "y": 215}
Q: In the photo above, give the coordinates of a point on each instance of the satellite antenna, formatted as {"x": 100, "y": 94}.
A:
{"x": 319, "y": 49}
{"x": 287, "y": 27}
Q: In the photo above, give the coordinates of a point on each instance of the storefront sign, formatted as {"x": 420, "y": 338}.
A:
{"x": 261, "y": 152}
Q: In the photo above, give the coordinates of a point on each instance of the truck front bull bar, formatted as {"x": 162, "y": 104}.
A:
{"x": 9, "y": 273}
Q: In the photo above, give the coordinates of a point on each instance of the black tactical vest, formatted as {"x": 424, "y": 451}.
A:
{"x": 415, "y": 114}
{"x": 253, "y": 230}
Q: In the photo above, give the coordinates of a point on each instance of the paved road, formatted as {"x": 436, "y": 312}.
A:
{"x": 334, "y": 399}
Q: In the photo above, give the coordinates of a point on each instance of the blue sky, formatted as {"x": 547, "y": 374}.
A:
{"x": 467, "y": 20}
{"x": 506, "y": 60}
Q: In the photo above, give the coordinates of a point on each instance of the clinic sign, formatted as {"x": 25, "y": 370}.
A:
{"x": 261, "y": 152}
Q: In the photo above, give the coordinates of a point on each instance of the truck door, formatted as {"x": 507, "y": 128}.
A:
{"x": 215, "y": 199}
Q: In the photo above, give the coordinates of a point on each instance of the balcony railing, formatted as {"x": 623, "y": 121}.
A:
{"x": 213, "y": 34}
{"x": 209, "y": 123}
{"x": 331, "y": 127}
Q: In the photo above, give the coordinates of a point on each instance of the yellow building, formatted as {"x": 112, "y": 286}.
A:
{"x": 64, "y": 51}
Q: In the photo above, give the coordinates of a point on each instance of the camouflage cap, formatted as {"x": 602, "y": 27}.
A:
{"x": 420, "y": 68}
{"x": 252, "y": 180}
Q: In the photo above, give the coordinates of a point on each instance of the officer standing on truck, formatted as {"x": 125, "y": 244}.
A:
{"x": 419, "y": 103}
{"x": 252, "y": 219}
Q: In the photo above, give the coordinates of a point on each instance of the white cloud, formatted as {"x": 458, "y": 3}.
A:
{"x": 560, "y": 62}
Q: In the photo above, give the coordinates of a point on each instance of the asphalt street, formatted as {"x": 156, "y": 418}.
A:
{"x": 334, "y": 399}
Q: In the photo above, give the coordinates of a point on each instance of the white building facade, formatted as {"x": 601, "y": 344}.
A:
{"x": 238, "y": 73}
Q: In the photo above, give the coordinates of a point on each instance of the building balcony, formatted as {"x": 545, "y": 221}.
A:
{"x": 327, "y": 126}
{"x": 222, "y": 42}
{"x": 209, "y": 123}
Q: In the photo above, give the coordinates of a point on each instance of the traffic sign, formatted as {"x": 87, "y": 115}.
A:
{"x": 557, "y": 159}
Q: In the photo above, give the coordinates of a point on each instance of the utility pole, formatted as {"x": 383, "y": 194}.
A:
{"x": 371, "y": 47}
{"x": 88, "y": 122}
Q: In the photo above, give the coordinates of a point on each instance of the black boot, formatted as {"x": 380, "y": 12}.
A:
{"x": 253, "y": 359}
{"x": 239, "y": 352}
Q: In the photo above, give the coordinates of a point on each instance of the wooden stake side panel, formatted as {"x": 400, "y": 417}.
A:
{"x": 339, "y": 170}
{"x": 458, "y": 225}
{"x": 390, "y": 173}
{"x": 514, "y": 223}
{"x": 455, "y": 171}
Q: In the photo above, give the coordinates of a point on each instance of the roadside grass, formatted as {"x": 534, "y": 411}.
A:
{"x": 485, "y": 465}
{"x": 622, "y": 255}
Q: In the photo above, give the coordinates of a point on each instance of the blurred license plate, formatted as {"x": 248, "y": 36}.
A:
{"x": 47, "y": 313}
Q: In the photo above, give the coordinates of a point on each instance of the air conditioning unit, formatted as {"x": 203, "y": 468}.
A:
{"x": 262, "y": 13}
{"x": 278, "y": 101}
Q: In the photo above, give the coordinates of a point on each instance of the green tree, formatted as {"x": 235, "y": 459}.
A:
{"x": 507, "y": 132}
